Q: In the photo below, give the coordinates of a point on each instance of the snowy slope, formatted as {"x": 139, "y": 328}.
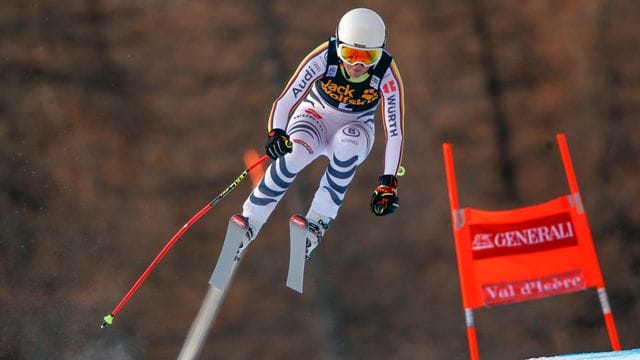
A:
{"x": 617, "y": 355}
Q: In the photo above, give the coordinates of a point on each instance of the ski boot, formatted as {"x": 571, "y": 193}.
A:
{"x": 305, "y": 236}
{"x": 315, "y": 232}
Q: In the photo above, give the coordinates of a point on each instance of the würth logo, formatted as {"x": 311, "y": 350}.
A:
{"x": 536, "y": 235}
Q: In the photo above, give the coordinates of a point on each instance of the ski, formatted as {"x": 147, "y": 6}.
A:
{"x": 227, "y": 260}
{"x": 297, "y": 252}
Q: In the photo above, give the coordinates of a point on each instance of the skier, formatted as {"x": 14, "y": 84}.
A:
{"x": 327, "y": 108}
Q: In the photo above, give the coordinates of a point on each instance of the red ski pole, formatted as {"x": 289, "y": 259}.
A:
{"x": 109, "y": 318}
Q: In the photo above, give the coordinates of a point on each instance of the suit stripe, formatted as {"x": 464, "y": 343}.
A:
{"x": 265, "y": 195}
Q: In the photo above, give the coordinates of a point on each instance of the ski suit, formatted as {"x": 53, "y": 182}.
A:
{"x": 327, "y": 113}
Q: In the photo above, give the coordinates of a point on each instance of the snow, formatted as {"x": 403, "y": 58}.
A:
{"x": 617, "y": 355}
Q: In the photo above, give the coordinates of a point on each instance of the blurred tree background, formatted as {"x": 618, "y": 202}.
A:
{"x": 120, "y": 119}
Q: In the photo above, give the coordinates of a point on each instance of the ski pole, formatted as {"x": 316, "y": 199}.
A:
{"x": 109, "y": 318}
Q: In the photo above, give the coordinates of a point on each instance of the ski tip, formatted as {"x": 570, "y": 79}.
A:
{"x": 239, "y": 221}
{"x": 298, "y": 220}
{"x": 107, "y": 321}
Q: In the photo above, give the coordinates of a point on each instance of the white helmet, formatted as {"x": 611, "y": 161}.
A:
{"x": 361, "y": 28}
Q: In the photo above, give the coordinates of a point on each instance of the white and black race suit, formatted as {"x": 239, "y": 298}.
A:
{"x": 327, "y": 113}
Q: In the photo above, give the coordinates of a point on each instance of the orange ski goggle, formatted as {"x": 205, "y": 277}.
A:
{"x": 352, "y": 55}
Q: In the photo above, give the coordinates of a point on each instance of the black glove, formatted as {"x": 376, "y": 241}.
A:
{"x": 278, "y": 144}
{"x": 384, "y": 200}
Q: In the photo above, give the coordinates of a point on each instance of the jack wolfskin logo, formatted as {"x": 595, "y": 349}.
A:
{"x": 348, "y": 95}
{"x": 370, "y": 95}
